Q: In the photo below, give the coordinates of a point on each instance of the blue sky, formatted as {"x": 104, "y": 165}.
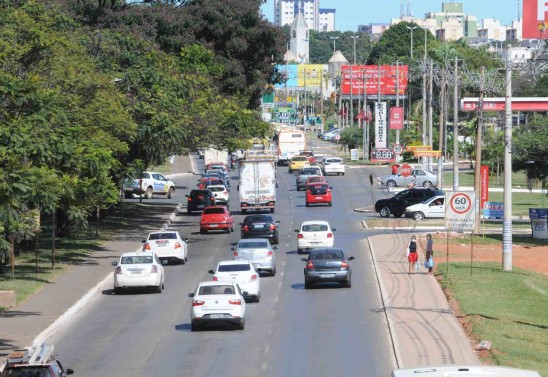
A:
{"x": 351, "y": 13}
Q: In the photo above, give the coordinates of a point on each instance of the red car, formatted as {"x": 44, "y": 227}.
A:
{"x": 314, "y": 179}
{"x": 310, "y": 156}
{"x": 216, "y": 218}
{"x": 318, "y": 193}
{"x": 207, "y": 181}
{"x": 216, "y": 165}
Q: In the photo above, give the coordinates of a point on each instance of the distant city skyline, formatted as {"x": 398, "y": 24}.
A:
{"x": 351, "y": 13}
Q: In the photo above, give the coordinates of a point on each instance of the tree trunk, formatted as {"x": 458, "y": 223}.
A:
{"x": 53, "y": 232}
{"x": 12, "y": 256}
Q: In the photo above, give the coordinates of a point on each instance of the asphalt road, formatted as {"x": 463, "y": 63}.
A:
{"x": 329, "y": 331}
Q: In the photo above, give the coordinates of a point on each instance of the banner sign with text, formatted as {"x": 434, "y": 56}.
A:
{"x": 493, "y": 210}
{"x": 484, "y": 179}
{"x": 380, "y": 125}
{"x": 534, "y": 19}
{"x": 373, "y": 77}
{"x": 396, "y": 118}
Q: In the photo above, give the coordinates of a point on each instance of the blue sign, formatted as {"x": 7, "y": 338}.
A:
{"x": 290, "y": 72}
{"x": 493, "y": 210}
{"x": 538, "y": 213}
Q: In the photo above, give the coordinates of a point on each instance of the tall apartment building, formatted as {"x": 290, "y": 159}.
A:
{"x": 492, "y": 30}
{"x": 318, "y": 19}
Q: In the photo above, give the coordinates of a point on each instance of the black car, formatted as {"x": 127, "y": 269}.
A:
{"x": 327, "y": 265}
{"x": 260, "y": 226}
{"x": 398, "y": 203}
{"x": 199, "y": 199}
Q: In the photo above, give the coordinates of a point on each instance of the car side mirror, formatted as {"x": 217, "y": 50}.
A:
{"x": 186, "y": 196}
{"x": 296, "y": 230}
{"x": 277, "y": 222}
{"x": 191, "y": 295}
{"x": 185, "y": 239}
{"x": 233, "y": 248}
{"x": 211, "y": 272}
{"x": 331, "y": 188}
{"x": 143, "y": 241}
{"x": 245, "y": 293}
{"x": 274, "y": 247}
{"x": 70, "y": 371}
{"x": 165, "y": 262}
{"x": 333, "y": 229}
{"x": 350, "y": 258}
{"x": 114, "y": 263}
{"x": 215, "y": 195}
{"x": 304, "y": 259}
{"x": 276, "y": 185}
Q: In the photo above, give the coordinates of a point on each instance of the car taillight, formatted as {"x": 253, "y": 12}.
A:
{"x": 177, "y": 245}
{"x": 300, "y": 236}
{"x": 225, "y": 192}
{"x": 211, "y": 199}
{"x": 215, "y": 278}
{"x": 245, "y": 228}
{"x": 253, "y": 278}
{"x": 146, "y": 247}
{"x": 235, "y": 302}
{"x": 235, "y": 254}
{"x": 344, "y": 264}
{"x": 270, "y": 253}
{"x": 272, "y": 227}
{"x": 197, "y": 302}
{"x": 310, "y": 265}
{"x": 329, "y": 235}
{"x": 154, "y": 270}
{"x": 118, "y": 270}
{"x": 189, "y": 199}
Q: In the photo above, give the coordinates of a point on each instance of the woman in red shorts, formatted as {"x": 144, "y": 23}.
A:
{"x": 412, "y": 254}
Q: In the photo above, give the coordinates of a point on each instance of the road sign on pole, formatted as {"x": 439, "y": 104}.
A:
{"x": 406, "y": 170}
{"x": 460, "y": 211}
{"x": 398, "y": 149}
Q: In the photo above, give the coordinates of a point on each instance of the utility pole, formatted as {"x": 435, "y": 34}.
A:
{"x": 431, "y": 114}
{"x": 479, "y": 141}
{"x": 424, "y": 159}
{"x": 507, "y": 196}
{"x": 441, "y": 123}
{"x": 352, "y": 95}
{"x": 365, "y": 120}
{"x": 398, "y": 103}
{"x": 456, "y": 129}
{"x": 321, "y": 103}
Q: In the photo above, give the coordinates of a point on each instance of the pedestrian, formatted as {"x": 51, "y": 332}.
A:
{"x": 395, "y": 169}
{"x": 412, "y": 255}
{"x": 429, "y": 254}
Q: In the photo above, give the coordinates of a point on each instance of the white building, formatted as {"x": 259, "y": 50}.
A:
{"x": 514, "y": 32}
{"x": 327, "y": 19}
{"x": 285, "y": 12}
{"x": 299, "y": 42}
{"x": 492, "y": 30}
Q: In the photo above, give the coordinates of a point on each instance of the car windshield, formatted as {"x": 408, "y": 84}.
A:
{"x": 137, "y": 259}
{"x": 314, "y": 228}
{"x": 216, "y": 290}
{"x": 214, "y": 211}
{"x": 401, "y": 195}
{"x": 317, "y": 189}
{"x": 163, "y": 236}
{"x": 252, "y": 245}
{"x": 27, "y": 371}
{"x": 326, "y": 255}
{"x": 233, "y": 267}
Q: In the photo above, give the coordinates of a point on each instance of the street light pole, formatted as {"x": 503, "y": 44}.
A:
{"x": 412, "y": 28}
{"x": 334, "y": 39}
{"x": 507, "y": 196}
{"x": 424, "y": 159}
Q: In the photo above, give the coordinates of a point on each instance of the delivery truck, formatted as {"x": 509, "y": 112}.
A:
{"x": 257, "y": 182}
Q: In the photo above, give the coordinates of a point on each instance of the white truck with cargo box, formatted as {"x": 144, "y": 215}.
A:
{"x": 257, "y": 185}
{"x": 215, "y": 155}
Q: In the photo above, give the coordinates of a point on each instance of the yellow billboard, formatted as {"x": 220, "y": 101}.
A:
{"x": 310, "y": 75}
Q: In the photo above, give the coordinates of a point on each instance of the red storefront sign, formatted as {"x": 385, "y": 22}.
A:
{"x": 484, "y": 179}
{"x": 396, "y": 118}
{"x": 534, "y": 13}
{"x": 499, "y": 104}
{"x": 356, "y": 76}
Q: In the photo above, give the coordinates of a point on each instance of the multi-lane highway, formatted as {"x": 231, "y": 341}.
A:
{"x": 292, "y": 332}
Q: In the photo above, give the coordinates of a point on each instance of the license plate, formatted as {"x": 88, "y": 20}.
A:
{"x": 217, "y": 316}
{"x": 213, "y": 225}
{"x": 163, "y": 244}
{"x": 318, "y": 197}
{"x": 327, "y": 275}
{"x": 315, "y": 243}
{"x": 135, "y": 272}
{"x": 259, "y": 226}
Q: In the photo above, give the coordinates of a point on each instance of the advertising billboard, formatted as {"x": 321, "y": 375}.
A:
{"x": 290, "y": 71}
{"x": 373, "y": 76}
{"x": 380, "y": 125}
{"x": 396, "y": 118}
{"x": 310, "y": 75}
{"x": 534, "y": 19}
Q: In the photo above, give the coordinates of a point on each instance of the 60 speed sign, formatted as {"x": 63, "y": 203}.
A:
{"x": 460, "y": 211}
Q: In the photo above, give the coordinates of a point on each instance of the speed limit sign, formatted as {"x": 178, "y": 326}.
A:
{"x": 398, "y": 149}
{"x": 460, "y": 211}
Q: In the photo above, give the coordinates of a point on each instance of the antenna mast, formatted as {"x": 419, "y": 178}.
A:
{"x": 519, "y": 11}
{"x": 409, "y": 14}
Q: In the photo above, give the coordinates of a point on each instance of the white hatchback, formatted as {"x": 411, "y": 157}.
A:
{"x": 220, "y": 192}
{"x": 313, "y": 234}
{"x": 241, "y": 272}
{"x": 168, "y": 245}
{"x": 333, "y": 165}
{"x": 138, "y": 270}
{"x": 430, "y": 208}
{"x": 217, "y": 303}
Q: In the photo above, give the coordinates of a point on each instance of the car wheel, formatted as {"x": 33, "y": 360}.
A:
{"x": 307, "y": 204}
{"x": 128, "y": 195}
{"x": 342, "y": 173}
{"x": 385, "y": 212}
{"x": 418, "y": 216}
{"x": 330, "y": 204}
{"x": 299, "y": 251}
{"x": 244, "y": 211}
{"x": 203, "y": 231}
{"x": 307, "y": 284}
{"x": 241, "y": 326}
{"x": 257, "y": 298}
{"x": 272, "y": 210}
{"x": 148, "y": 193}
{"x": 188, "y": 211}
{"x": 427, "y": 184}
{"x": 391, "y": 183}
{"x": 158, "y": 289}
{"x": 170, "y": 193}
{"x": 348, "y": 283}
{"x": 117, "y": 291}
{"x": 273, "y": 272}
{"x": 194, "y": 327}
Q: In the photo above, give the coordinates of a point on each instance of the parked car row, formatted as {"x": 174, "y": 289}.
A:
{"x": 416, "y": 202}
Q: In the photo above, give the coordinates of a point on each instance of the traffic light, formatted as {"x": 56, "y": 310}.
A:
{"x": 333, "y": 96}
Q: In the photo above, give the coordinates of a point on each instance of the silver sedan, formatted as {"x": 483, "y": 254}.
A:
{"x": 419, "y": 177}
{"x": 259, "y": 252}
{"x": 328, "y": 265}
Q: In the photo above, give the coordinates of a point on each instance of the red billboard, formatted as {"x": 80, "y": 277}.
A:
{"x": 499, "y": 104}
{"x": 484, "y": 194}
{"x": 534, "y": 16}
{"x": 396, "y": 118}
{"x": 373, "y": 77}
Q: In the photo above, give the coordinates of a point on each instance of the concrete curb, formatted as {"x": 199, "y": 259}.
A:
{"x": 86, "y": 299}
{"x": 395, "y": 346}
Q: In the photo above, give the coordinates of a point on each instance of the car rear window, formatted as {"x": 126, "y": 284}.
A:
{"x": 198, "y": 193}
{"x": 217, "y": 167}
{"x": 216, "y": 189}
{"x": 34, "y": 371}
{"x": 252, "y": 245}
{"x": 259, "y": 218}
{"x": 214, "y": 211}
{"x": 317, "y": 189}
{"x": 163, "y": 236}
{"x": 334, "y": 161}
{"x": 234, "y": 267}
{"x": 314, "y": 228}
{"x": 309, "y": 171}
{"x": 326, "y": 255}
{"x": 216, "y": 290}
{"x": 315, "y": 179}
{"x": 143, "y": 259}
{"x": 303, "y": 158}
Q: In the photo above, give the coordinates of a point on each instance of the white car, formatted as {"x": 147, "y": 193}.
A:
{"x": 314, "y": 234}
{"x": 431, "y": 208}
{"x": 259, "y": 252}
{"x": 241, "y": 272}
{"x": 138, "y": 270}
{"x": 167, "y": 245}
{"x": 150, "y": 183}
{"x": 220, "y": 192}
{"x": 463, "y": 371}
{"x": 333, "y": 165}
{"x": 217, "y": 303}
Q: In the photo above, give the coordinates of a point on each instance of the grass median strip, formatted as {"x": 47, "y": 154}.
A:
{"x": 506, "y": 308}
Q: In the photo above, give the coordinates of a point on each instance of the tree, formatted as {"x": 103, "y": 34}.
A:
{"x": 530, "y": 149}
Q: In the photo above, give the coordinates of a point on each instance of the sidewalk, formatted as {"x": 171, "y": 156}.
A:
{"x": 20, "y": 325}
{"x": 423, "y": 327}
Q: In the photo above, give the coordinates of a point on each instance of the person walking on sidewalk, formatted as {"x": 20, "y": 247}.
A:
{"x": 412, "y": 254}
{"x": 429, "y": 253}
